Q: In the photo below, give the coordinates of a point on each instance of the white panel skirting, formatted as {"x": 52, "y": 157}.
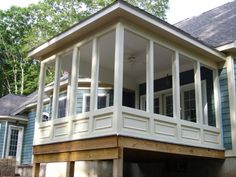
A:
{"x": 133, "y": 123}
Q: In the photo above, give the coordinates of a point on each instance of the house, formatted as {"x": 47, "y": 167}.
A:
{"x": 17, "y": 119}
{"x": 169, "y": 108}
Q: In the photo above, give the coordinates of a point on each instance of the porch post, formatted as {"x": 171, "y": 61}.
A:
{"x": 198, "y": 92}
{"x": 94, "y": 76}
{"x": 176, "y": 85}
{"x": 150, "y": 77}
{"x": 40, "y": 99}
{"x": 119, "y": 57}
{"x": 118, "y": 76}
{"x": 118, "y": 165}
{"x": 56, "y": 88}
{"x": 74, "y": 81}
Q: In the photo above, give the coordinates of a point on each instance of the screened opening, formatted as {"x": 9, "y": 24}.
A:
{"x": 187, "y": 89}
{"x": 163, "y": 92}
{"x": 134, "y": 70}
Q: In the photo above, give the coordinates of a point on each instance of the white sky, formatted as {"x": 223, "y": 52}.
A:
{"x": 179, "y": 9}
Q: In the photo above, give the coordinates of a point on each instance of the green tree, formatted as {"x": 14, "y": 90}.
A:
{"x": 23, "y": 28}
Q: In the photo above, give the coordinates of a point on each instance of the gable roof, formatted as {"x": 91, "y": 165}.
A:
{"x": 215, "y": 27}
{"x": 121, "y": 9}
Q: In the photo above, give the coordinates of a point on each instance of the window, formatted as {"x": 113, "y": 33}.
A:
{"x": 157, "y": 105}
{"x": 103, "y": 101}
{"x": 189, "y": 105}
{"x": 62, "y": 107}
{"x": 168, "y": 105}
{"x": 15, "y": 139}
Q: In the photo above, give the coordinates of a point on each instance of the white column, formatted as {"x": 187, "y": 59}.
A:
{"x": 118, "y": 76}
{"x": 232, "y": 101}
{"x": 74, "y": 81}
{"x": 94, "y": 76}
{"x": 119, "y": 57}
{"x": 56, "y": 88}
{"x": 150, "y": 77}
{"x": 40, "y": 100}
{"x": 198, "y": 92}
{"x": 176, "y": 85}
{"x": 217, "y": 103}
{"x": 40, "y": 93}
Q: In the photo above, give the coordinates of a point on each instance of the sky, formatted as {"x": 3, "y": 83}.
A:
{"x": 179, "y": 9}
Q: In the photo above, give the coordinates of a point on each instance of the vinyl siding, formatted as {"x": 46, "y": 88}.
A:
{"x": 225, "y": 112}
{"x": 2, "y": 133}
{"x": 26, "y": 157}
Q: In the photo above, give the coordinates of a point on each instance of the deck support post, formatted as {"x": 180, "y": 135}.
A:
{"x": 118, "y": 165}
{"x": 70, "y": 166}
{"x": 36, "y": 169}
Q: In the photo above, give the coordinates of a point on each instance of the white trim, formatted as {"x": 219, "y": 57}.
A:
{"x": 99, "y": 94}
{"x": 227, "y": 46}
{"x": 4, "y": 140}
{"x": 198, "y": 92}
{"x": 176, "y": 85}
{"x": 232, "y": 101}
{"x": 15, "y": 118}
{"x": 131, "y": 11}
{"x": 19, "y": 142}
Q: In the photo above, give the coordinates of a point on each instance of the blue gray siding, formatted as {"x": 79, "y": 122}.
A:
{"x": 2, "y": 135}
{"x": 225, "y": 112}
{"x": 26, "y": 156}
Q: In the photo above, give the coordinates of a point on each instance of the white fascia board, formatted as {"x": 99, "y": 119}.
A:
{"x": 74, "y": 29}
{"x": 3, "y": 117}
{"x": 172, "y": 31}
{"x": 227, "y": 46}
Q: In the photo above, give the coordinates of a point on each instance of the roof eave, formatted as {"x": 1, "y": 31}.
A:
{"x": 117, "y": 9}
{"x": 229, "y": 48}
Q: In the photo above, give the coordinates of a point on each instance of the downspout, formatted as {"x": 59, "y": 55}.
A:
{"x": 5, "y": 139}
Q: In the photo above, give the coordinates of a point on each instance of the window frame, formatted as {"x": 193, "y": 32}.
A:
{"x": 19, "y": 141}
{"x": 99, "y": 94}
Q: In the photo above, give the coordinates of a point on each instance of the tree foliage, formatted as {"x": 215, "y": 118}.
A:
{"x": 24, "y": 28}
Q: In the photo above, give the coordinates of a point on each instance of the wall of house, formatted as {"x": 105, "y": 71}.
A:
{"x": 225, "y": 110}
{"x": 26, "y": 156}
{"x": 187, "y": 77}
{"x": 2, "y": 133}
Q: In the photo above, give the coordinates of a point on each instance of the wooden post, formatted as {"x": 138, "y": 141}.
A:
{"x": 198, "y": 92}
{"x": 150, "y": 77}
{"x": 36, "y": 169}
{"x": 70, "y": 167}
{"x": 118, "y": 165}
{"x": 94, "y": 76}
{"x": 176, "y": 85}
{"x": 74, "y": 81}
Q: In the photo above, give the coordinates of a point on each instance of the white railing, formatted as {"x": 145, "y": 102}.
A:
{"x": 132, "y": 123}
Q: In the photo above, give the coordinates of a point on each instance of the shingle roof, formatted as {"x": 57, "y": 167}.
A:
{"x": 216, "y": 27}
{"x": 11, "y": 102}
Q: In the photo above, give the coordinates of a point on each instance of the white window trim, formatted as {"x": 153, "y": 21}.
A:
{"x": 19, "y": 142}
{"x": 100, "y": 94}
{"x": 163, "y": 93}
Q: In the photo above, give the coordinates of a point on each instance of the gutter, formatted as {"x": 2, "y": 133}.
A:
{"x": 227, "y": 46}
{"x": 5, "y": 139}
{"x": 13, "y": 118}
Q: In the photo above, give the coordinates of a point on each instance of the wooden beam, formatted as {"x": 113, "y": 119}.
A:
{"x": 148, "y": 145}
{"x": 36, "y": 169}
{"x": 70, "y": 169}
{"x": 97, "y": 143}
{"x": 97, "y": 154}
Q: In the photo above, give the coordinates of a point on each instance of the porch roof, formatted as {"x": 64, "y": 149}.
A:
{"x": 122, "y": 10}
